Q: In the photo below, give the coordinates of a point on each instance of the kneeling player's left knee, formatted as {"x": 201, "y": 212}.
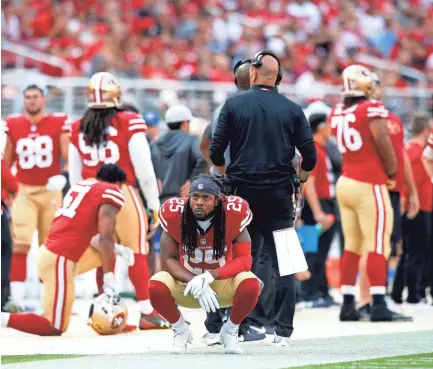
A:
{"x": 249, "y": 289}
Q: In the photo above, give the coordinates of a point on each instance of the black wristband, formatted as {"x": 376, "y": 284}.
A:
{"x": 303, "y": 181}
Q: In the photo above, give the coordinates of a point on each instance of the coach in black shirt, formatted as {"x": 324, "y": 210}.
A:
{"x": 263, "y": 128}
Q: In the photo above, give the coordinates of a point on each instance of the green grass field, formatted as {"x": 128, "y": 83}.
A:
{"x": 424, "y": 361}
{"x": 13, "y": 359}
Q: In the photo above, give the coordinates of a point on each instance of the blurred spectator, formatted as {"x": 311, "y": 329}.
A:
{"x": 201, "y": 40}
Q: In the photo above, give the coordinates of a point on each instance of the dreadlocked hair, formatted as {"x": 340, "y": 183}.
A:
{"x": 189, "y": 226}
{"x": 94, "y": 123}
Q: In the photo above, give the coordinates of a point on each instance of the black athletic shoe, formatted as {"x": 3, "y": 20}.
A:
{"x": 365, "y": 312}
{"x": 348, "y": 313}
{"x": 381, "y": 313}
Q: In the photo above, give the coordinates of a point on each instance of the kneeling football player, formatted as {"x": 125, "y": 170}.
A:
{"x": 206, "y": 261}
{"x": 90, "y": 207}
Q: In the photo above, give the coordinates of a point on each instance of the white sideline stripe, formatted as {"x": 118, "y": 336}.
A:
{"x": 60, "y": 292}
{"x": 115, "y": 199}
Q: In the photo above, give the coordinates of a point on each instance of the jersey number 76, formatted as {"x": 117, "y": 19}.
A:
{"x": 348, "y": 138}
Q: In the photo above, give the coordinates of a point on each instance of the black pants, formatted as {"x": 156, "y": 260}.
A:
{"x": 416, "y": 247}
{"x": 272, "y": 210}
{"x": 396, "y": 235}
{"x": 317, "y": 286}
{"x": 6, "y": 255}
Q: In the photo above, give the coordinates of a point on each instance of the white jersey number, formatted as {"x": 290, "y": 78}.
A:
{"x": 107, "y": 153}
{"x": 72, "y": 200}
{"x": 176, "y": 204}
{"x": 234, "y": 203}
{"x": 348, "y": 138}
{"x": 202, "y": 257}
{"x": 35, "y": 152}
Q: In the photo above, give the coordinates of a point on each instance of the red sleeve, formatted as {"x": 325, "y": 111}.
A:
{"x": 112, "y": 195}
{"x": 134, "y": 123}
{"x": 238, "y": 214}
{"x": 9, "y": 182}
{"x": 375, "y": 109}
{"x": 170, "y": 216}
{"x": 241, "y": 262}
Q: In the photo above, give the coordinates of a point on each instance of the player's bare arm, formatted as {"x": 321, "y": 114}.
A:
{"x": 379, "y": 129}
{"x": 107, "y": 224}
{"x": 64, "y": 145}
{"x": 170, "y": 259}
{"x": 205, "y": 145}
{"x": 413, "y": 200}
{"x": 313, "y": 201}
{"x": 9, "y": 154}
{"x": 242, "y": 259}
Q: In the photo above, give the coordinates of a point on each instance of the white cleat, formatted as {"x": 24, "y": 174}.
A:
{"x": 210, "y": 339}
{"x": 230, "y": 342}
{"x": 181, "y": 339}
{"x": 280, "y": 341}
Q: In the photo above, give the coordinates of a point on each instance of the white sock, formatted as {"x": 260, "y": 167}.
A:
{"x": 180, "y": 325}
{"x": 18, "y": 291}
{"x": 230, "y": 326}
{"x": 145, "y": 307}
{"x": 5, "y": 319}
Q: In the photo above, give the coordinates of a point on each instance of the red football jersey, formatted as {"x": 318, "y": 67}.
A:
{"x": 115, "y": 150}
{"x": 350, "y": 126}
{"x": 36, "y": 146}
{"x": 238, "y": 216}
{"x": 396, "y": 132}
{"x": 323, "y": 174}
{"x": 422, "y": 180}
{"x": 76, "y": 222}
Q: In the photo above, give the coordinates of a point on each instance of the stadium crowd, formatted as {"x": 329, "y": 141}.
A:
{"x": 202, "y": 39}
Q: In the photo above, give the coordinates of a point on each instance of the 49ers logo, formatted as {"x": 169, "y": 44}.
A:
{"x": 118, "y": 320}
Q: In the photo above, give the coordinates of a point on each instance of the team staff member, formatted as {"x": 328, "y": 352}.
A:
{"x": 263, "y": 129}
{"x": 36, "y": 143}
{"x": 214, "y": 321}
{"x": 9, "y": 187}
{"x": 242, "y": 82}
{"x": 320, "y": 207}
{"x": 416, "y": 232}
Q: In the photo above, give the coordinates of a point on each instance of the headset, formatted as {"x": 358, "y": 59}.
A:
{"x": 257, "y": 63}
{"x": 238, "y": 64}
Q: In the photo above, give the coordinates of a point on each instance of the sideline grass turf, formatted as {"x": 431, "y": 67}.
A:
{"x": 13, "y": 359}
{"x": 419, "y": 361}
